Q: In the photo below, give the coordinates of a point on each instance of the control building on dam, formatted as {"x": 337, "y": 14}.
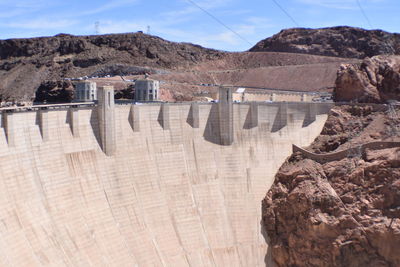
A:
{"x": 157, "y": 184}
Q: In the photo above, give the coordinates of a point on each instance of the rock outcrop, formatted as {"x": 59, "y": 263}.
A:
{"x": 336, "y": 41}
{"x": 376, "y": 80}
{"x": 55, "y": 91}
{"x": 344, "y": 212}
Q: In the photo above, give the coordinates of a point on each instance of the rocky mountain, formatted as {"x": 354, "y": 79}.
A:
{"x": 344, "y": 211}
{"x": 375, "y": 79}
{"x": 336, "y": 41}
{"x": 26, "y": 63}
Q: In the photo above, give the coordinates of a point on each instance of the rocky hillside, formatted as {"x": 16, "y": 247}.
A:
{"x": 375, "y": 80}
{"x": 26, "y": 63}
{"x": 336, "y": 41}
{"x": 343, "y": 212}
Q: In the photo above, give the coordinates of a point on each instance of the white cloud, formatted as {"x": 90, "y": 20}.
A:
{"x": 190, "y": 9}
{"x": 41, "y": 24}
{"x": 208, "y": 4}
{"x": 220, "y": 38}
{"x": 227, "y": 38}
{"x": 12, "y": 13}
{"x": 26, "y": 3}
{"x": 110, "y": 5}
{"x": 9, "y": 8}
{"x": 337, "y": 4}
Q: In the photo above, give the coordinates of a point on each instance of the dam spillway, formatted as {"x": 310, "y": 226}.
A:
{"x": 168, "y": 193}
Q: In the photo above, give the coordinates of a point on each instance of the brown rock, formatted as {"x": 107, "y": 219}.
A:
{"x": 375, "y": 80}
{"x": 335, "y": 41}
{"x": 55, "y": 91}
{"x": 341, "y": 213}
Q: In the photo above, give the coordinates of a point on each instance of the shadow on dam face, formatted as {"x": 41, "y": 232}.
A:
{"x": 212, "y": 131}
{"x": 94, "y": 123}
{"x": 165, "y": 196}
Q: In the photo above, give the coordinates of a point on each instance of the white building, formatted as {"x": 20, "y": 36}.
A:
{"x": 85, "y": 91}
{"x": 147, "y": 90}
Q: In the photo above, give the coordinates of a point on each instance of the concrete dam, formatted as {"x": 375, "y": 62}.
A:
{"x": 157, "y": 184}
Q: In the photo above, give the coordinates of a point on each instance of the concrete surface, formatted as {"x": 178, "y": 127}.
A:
{"x": 163, "y": 197}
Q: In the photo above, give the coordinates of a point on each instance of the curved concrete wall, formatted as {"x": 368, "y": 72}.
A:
{"x": 339, "y": 155}
{"x": 168, "y": 196}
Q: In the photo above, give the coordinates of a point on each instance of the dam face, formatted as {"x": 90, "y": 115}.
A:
{"x": 169, "y": 191}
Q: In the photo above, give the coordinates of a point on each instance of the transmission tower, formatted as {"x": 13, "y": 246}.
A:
{"x": 97, "y": 27}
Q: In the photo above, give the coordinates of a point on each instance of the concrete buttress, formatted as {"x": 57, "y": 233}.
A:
{"x": 311, "y": 114}
{"x": 106, "y": 114}
{"x": 225, "y": 116}
{"x": 164, "y": 116}
{"x": 194, "y": 115}
{"x": 253, "y": 114}
{"x": 8, "y": 125}
{"x": 44, "y": 124}
{"x": 134, "y": 118}
{"x": 281, "y": 119}
{"x": 73, "y": 114}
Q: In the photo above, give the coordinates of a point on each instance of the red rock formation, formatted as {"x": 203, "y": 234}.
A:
{"x": 339, "y": 41}
{"x": 344, "y": 212}
{"x": 375, "y": 80}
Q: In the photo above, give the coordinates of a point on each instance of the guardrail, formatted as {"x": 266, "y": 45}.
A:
{"x": 47, "y": 106}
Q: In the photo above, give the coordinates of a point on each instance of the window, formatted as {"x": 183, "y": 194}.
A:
{"x": 109, "y": 99}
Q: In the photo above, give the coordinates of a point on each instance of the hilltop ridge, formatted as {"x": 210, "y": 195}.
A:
{"x": 341, "y": 41}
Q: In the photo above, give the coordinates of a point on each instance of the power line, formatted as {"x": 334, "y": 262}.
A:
{"x": 393, "y": 51}
{"x": 286, "y": 13}
{"x": 363, "y": 13}
{"x": 219, "y": 21}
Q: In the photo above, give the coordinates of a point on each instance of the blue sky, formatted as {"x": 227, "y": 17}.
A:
{"x": 181, "y": 21}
